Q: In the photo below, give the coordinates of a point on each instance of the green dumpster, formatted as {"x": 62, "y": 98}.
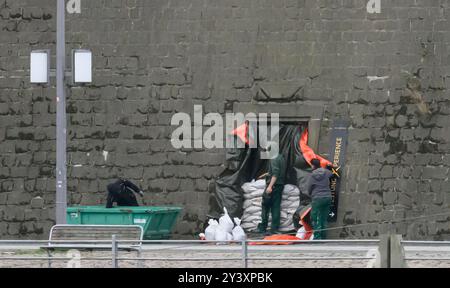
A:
{"x": 157, "y": 222}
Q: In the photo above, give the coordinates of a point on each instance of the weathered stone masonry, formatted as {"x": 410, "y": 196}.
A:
{"x": 388, "y": 73}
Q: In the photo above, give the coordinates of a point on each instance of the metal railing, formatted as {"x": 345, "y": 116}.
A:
{"x": 394, "y": 256}
{"x": 433, "y": 244}
{"x": 115, "y": 246}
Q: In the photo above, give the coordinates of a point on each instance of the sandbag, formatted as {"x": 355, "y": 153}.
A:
{"x": 254, "y": 194}
{"x": 291, "y": 198}
{"x": 247, "y": 188}
{"x": 248, "y": 225}
{"x": 225, "y": 222}
{"x": 252, "y": 218}
{"x": 210, "y": 231}
{"x": 289, "y": 206}
{"x": 286, "y": 229}
{"x": 238, "y": 232}
{"x": 221, "y": 234}
{"x": 251, "y": 203}
{"x": 254, "y": 185}
{"x": 252, "y": 210}
{"x": 291, "y": 189}
{"x": 287, "y": 225}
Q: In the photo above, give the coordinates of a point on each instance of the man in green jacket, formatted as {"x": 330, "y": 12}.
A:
{"x": 271, "y": 203}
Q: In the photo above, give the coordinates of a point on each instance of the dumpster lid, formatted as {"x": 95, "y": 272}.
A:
{"x": 139, "y": 209}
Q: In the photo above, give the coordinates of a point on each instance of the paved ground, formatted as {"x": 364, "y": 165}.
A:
{"x": 168, "y": 256}
{"x": 440, "y": 254}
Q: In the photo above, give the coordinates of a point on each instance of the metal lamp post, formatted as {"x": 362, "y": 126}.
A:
{"x": 61, "y": 118}
{"x": 81, "y": 73}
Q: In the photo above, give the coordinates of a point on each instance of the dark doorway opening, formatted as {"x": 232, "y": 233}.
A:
{"x": 245, "y": 165}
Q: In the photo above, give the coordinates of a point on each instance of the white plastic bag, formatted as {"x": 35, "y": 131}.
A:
{"x": 229, "y": 237}
{"x": 238, "y": 232}
{"x": 225, "y": 222}
{"x": 210, "y": 231}
{"x": 221, "y": 235}
{"x": 302, "y": 234}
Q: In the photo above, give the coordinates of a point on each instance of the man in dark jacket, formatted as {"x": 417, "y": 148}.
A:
{"x": 121, "y": 192}
{"x": 320, "y": 192}
{"x": 275, "y": 180}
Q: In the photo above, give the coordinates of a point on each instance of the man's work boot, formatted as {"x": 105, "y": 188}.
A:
{"x": 274, "y": 232}
{"x": 261, "y": 229}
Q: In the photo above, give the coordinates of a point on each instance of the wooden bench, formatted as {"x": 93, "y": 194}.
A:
{"x": 68, "y": 237}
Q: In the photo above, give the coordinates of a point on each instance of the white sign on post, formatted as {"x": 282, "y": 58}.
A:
{"x": 374, "y": 6}
{"x": 74, "y": 6}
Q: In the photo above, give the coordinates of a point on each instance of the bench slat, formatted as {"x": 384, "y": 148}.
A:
{"x": 96, "y": 232}
{"x": 68, "y": 234}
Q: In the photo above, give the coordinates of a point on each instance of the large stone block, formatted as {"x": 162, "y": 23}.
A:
{"x": 13, "y": 213}
{"x": 435, "y": 173}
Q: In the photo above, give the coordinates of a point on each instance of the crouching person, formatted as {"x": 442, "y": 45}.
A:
{"x": 122, "y": 193}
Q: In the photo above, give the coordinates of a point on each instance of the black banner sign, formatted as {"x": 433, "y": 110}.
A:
{"x": 338, "y": 148}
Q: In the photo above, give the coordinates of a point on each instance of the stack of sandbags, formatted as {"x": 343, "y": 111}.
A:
{"x": 253, "y": 192}
{"x": 289, "y": 204}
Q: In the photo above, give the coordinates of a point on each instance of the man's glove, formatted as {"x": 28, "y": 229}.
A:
{"x": 267, "y": 199}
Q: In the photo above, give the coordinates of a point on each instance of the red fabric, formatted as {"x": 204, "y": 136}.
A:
{"x": 305, "y": 214}
{"x": 242, "y": 133}
{"x": 277, "y": 237}
{"x": 309, "y": 230}
{"x": 308, "y": 152}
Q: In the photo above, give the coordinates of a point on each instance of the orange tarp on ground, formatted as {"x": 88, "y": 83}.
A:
{"x": 308, "y": 228}
{"x": 275, "y": 238}
{"x": 308, "y": 233}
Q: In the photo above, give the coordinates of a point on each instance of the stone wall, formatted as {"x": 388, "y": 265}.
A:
{"x": 388, "y": 73}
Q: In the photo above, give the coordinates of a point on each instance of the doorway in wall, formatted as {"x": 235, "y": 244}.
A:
{"x": 245, "y": 165}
